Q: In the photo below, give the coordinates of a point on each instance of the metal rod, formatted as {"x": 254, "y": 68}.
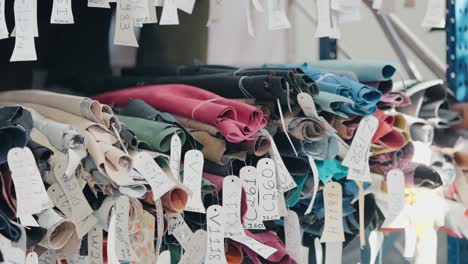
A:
{"x": 421, "y": 51}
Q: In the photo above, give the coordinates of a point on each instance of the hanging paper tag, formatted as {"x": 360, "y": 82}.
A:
{"x": 169, "y": 14}
{"x": 160, "y": 226}
{"x": 248, "y": 14}
{"x": 410, "y": 240}
{"x": 95, "y": 245}
{"x": 375, "y": 243}
{"x": 165, "y": 257}
{"x": 435, "y": 14}
{"x": 111, "y": 240}
{"x": 282, "y": 209}
{"x": 176, "y": 150}
{"x": 179, "y": 229}
{"x": 268, "y": 205}
{"x": 32, "y": 258}
{"x": 333, "y": 253}
{"x": 123, "y": 247}
{"x": 316, "y": 184}
{"x": 186, "y": 5}
{"x": 3, "y": 27}
{"x": 140, "y": 12}
{"x": 232, "y": 191}
{"x": 284, "y": 180}
{"x": 261, "y": 249}
{"x": 324, "y": 21}
{"x": 248, "y": 177}
{"x": 11, "y": 254}
{"x": 362, "y": 235}
{"x": 307, "y": 104}
{"x": 426, "y": 248}
{"x": 215, "y": 241}
{"x": 193, "y": 169}
{"x": 26, "y": 27}
{"x": 48, "y": 257}
{"x": 333, "y": 199}
{"x": 24, "y": 50}
{"x": 277, "y": 18}
{"x": 356, "y": 158}
{"x": 216, "y": 9}
{"x": 72, "y": 190}
{"x": 396, "y": 197}
{"x": 159, "y": 181}
{"x": 318, "y": 251}
{"x": 196, "y": 249}
{"x": 292, "y": 233}
{"x": 31, "y": 195}
{"x": 62, "y": 12}
{"x": 258, "y": 6}
{"x": 124, "y": 34}
{"x": 28, "y": 220}
{"x": 99, "y": 3}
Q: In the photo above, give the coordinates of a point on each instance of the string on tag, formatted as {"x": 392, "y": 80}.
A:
{"x": 284, "y": 127}
{"x": 288, "y": 93}
{"x": 243, "y": 89}
{"x": 202, "y": 103}
{"x": 323, "y": 76}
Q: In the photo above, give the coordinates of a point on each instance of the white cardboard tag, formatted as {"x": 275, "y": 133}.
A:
{"x": 176, "y": 152}
{"x": 25, "y": 49}
{"x": 252, "y": 220}
{"x": 375, "y": 243}
{"x": 179, "y": 229}
{"x": 28, "y": 220}
{"x": 31, "y": 195}
{"x": 165, "y": 257}
{"x": 277, "y": 18}
{"x": 268, "y": 204}
{"x": 216, "y": 9}
{"x": 95, "y": 238}
{"x": 169, "y": 14}
{"x": 396, "y": 196}
{"x": 263, "y": 250}
{"x": 333, "y": 200}
{"x": 258, "y": 6}
{"x": 26, "y": 27}
{"x": 3, "y": 27}
{"x": 318, "y": 250}
{"x": 123, "y": 247}
{"x": 32, "y": 258}
{"x": 111, "y": 240}
{"x": 186, "y": 5}
{"x": 358, "y": 151}
{"x": 333, "y": 253}
{"x": 10, "y": 253}
{"x": 316, "y": 184}
{"x": 160, "y": 226}
{"x": 159, "y": 181}
{"x": 62, "y": 12}
{"x": 435, "y": 14}
{"x": 196, "y": 249}
{"x": 324, "y": 24}
{"x": 99, "y": 3}
{"x": 193, "y": 169}
{"x": 232, "y": 191}
{"x": 124, "y": 34}
{"x": 410, "y": 240}
{"x": 282, "y": 209}
{"x": 306, "y": 102}
{"x": 215, "y": 238}
{"x": 293, "y": 236}
{"x": 140, "y": 12}
{"x": 72, "y": 190}
{"x": 48, "y": 257}
{"x": 284, "y": 180}
{"x": 250, "y": 24}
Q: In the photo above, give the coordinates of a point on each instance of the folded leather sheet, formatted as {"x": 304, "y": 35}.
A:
{"x": 236, "y": 121}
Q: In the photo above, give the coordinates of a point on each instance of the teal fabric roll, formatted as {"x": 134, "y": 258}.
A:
{"x": 295, "y": 195}
{"x": 330, "y": 169}
{"x": 152, "y": 134}
{"x": 365, "y": 70}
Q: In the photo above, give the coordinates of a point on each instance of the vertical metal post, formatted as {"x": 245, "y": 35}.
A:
{"x": 328, "y": 49}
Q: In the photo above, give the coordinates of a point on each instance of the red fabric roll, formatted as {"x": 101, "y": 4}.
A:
{"x": 386, "y": 135}
{"x": 237, "y": 121}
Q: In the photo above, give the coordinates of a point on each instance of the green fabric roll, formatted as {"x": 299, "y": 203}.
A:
{"x": 294, "y": 198}
{"x": 155, "y": 135}
{"x": 138, "y": 108}
{"x": 365, "y": 70}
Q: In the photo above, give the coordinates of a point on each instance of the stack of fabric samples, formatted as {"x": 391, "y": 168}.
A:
{"x": 220, "y": 164}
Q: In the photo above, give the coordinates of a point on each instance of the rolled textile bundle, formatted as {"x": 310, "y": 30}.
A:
{"x": 365, "y": 70}
{"x": 15, "y": 127}
{"x": 393, "y": 99}
{"x": 80, "y": 106}
{"x": 258, "y": 147}
{"x": 383, "y": 86}
{"x": 197, "y": 125}
{"x": 157, "y": 135}
{"x": 420, "y": 129}
{"x": 59, "y": 229}
{"x": 386, "y": 136}
{"x": 236, "y": 121}
{"x": 110, "y": 160}
{"x": 304, "y": 128}
{"x": 345, "y": 127}
{"x": 8, "y": 198}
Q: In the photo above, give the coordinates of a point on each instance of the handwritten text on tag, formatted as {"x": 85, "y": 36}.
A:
{"x": 215, "y": 239}
{"x": 333, "y": 199}
{"x": 193, "y": 169}
{"x": 268, "y": 204}
{"x": 62, "y": 12}
{"x": 124, "y": 34}
{"x": 232, "y": 190}
{"x": 253, "y": 220}
{"x": 123, "y": 247}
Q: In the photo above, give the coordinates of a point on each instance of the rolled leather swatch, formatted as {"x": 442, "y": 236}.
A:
{"x": 174, "y": 201}
{"x": 383, "y": 86}
{"x": 214, "y": 149}
{"x": 236, "y": 121}
{"x": 156, "y": 135}
{"x": 365, "y": 70}
{"x": 345, "y": 127}
{"x": 15, "y": 126}
{"x": 438, "y": 114}
{"x": 420, "y": 129}
{"x": 59, "y": 229}
{"x": 258, "y": 147}
{"x": 304, "y": 128}
{"x": 386, "y": 136}
{"x": 8, "y": 198}
{"x": 76, "y": 105}
{"x": 197, "y": 125}
{"x": 233, "y": 252}
{"x": 110, "y": 160}
{"x": 393, "y": 99}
